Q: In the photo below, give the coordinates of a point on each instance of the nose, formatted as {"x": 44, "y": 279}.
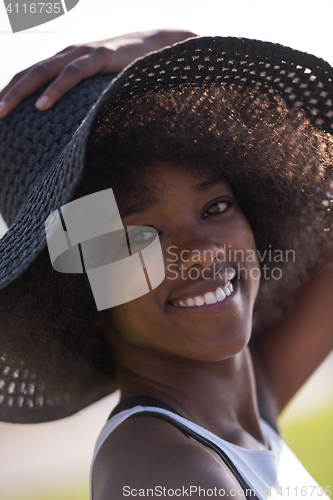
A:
{"x": 199, "y": 252}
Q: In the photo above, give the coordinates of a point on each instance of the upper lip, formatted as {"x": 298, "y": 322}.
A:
{"x": 200, "y": 286}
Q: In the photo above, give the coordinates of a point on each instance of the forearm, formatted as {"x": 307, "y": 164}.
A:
{"x": 293, "y": 349}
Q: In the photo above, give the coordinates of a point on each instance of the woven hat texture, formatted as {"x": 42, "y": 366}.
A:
{"x": 42, "y": 162}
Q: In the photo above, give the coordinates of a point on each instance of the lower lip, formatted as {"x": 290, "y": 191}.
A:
{"x": 216, "y": 308}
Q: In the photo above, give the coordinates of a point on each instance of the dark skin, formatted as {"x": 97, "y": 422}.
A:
{"x": 199, "y": 363}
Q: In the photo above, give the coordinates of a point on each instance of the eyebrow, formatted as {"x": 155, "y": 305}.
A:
{"x": 206, "y": 185}
{"x": 145, "y": 205}
{"x": 138, "y": 208}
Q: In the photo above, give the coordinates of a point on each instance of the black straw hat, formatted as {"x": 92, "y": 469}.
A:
{"x": 42, "y": 162}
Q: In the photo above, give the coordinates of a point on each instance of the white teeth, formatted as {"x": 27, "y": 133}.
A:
{"x": 220, "y": 295}
{"x": 199, "y": 301}
{"x": 230, "y": 274}
{"x": 210, "y": 298}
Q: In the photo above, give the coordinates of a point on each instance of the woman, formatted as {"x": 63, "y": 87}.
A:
{"x": 224, "y": 174}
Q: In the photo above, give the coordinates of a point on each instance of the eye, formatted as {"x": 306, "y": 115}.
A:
{"x": 141, "y": 236}
{"x": 217, "y": 207}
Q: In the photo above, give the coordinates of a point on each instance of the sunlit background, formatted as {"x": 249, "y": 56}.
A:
{"x": 51, "y": 461}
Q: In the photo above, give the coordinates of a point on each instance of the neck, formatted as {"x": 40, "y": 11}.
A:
{"x": 219, "y": 396}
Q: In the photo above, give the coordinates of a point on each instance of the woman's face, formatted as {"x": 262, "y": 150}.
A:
{"x": 202, "y": 233}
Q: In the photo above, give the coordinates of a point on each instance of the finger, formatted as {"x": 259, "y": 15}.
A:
{"x": 38, "y": 75}
{"x": 19, "y": 75}
{"x": 28, "y": 81}
{"x": 72, "y": 74}
{"x": 12, "y": 82}
{"x": 70, "y": 47}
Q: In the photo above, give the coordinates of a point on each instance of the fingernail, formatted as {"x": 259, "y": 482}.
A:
{"x": 42, "y": 102}
{"x": 3, "y": 106}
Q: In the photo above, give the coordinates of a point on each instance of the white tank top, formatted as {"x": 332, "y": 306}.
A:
{"x": 274, "y": 474}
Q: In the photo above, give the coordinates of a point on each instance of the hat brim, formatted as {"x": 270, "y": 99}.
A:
{"x": 303, "y": 80}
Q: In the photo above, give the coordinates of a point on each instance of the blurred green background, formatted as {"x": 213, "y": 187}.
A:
{"x": 311, "y": 439}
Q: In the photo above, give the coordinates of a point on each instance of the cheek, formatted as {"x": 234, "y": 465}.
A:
{"x": 241, "y": 241}
{"x": 137, "y": 321}
{"x": 243, "y": 253}
{"x": 245, "y": 233}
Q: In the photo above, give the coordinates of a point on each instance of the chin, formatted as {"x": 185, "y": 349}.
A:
{"x": 226, "y": 349}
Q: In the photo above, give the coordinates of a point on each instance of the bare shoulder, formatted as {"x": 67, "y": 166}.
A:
{"x": 146, "y": 453}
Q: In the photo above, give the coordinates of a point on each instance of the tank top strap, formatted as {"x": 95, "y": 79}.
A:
{"x": 133, "y": 401}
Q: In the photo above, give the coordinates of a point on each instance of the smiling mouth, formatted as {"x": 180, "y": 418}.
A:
{"x": 212, "y": 297}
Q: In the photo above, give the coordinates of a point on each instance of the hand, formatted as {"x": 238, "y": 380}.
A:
{"x": 77, "y": 62}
